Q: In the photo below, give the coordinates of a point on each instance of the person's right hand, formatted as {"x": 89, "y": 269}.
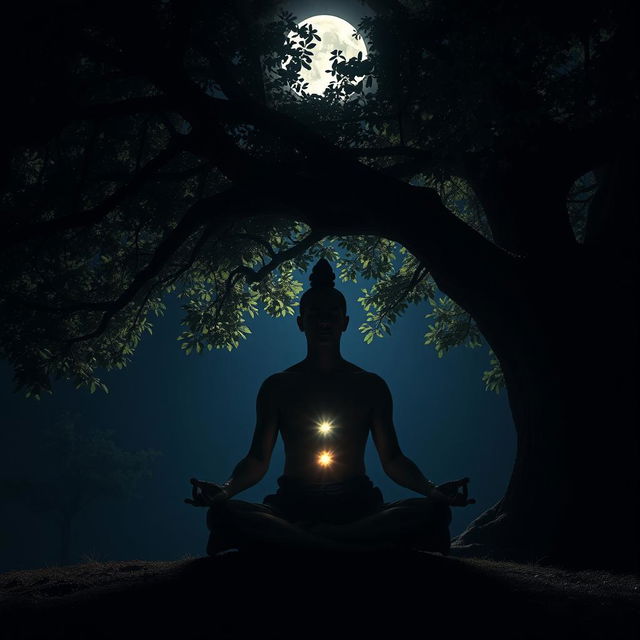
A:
{"x": 205, "y": 494}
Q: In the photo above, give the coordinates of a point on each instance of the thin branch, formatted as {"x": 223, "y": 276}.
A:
{"x": 258, "y": 239}
{"x": 468, "y": 331}
{"x": 214, "y": 208}
{"x": 95, "y": 214}
{"x": 70, "y": 308}
{"x": 256, "y": 276}
{"x": 197, "y": 215}
{"x": 418, "y": 275}
{"x": 280, "y": 257}
{"x": 194, "y": 254}
{"x": 191, "y": 221}
{"x": 136, "y": 319}
{"x": 220, "y": 300}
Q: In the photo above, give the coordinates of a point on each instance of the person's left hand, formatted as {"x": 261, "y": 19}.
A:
{"x": 205, "y": 494}
{"x": 449, "y": 490}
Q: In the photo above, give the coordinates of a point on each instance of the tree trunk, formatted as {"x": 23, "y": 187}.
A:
{"x": 568, "y": 359}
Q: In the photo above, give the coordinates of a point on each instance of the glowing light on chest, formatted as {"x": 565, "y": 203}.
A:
{"x": 325, "y": 427}
{"x": 325, "y": 458}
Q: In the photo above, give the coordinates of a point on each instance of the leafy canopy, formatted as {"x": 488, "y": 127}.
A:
{"x": 124, "y": 194}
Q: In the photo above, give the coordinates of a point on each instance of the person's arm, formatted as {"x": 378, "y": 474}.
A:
{"x": 251, "y": 469}
{"x": 396, "y": 465}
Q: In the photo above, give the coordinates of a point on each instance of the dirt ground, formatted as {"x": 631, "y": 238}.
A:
{"x": 315, "y": 595}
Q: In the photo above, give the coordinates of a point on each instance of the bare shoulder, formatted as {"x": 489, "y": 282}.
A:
{"x": 292, "y": 369}
{"x": 272, "y": 379}
{"x": 271, "y": 384}
{"x": 377, "y": 383}
{"x": 375, "y": 378}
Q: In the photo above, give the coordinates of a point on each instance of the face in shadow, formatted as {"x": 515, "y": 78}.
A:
{"x": 323, "y": 321}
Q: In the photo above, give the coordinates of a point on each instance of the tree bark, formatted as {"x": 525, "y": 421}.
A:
{"x": 564, "y": 326}
{"x": 572, "y": 499}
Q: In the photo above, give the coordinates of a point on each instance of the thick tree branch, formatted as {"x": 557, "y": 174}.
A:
{"x": 167, "y": 176}
{"x": 382, "y": 152}
{"x": 259, "y": 240}
{"x": 349, "y": 180}
{"x": 612, "y": 222}
{"x": 215, "y": 211}
{"x": 132, "y": 106}
{"x": 69, "y": 308}
{"x": 591, "y": 146}
{"x": 468, "y": 256}
{"x": 405, "y": 169}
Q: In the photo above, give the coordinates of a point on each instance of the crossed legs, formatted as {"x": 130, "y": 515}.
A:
{"x": 418, "y": 521}
{"x": 237, "y": 523}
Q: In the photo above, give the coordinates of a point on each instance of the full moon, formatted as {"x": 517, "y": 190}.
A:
{"x": 335, "y": 33}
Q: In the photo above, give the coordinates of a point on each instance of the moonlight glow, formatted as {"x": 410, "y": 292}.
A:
{"x": 335, "y": 33}
{"x": 325, "y": 459}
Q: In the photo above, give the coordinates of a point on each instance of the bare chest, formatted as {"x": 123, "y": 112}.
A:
{"x": 333, "y": 406}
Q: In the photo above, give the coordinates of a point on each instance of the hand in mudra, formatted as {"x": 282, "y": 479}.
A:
{"x": 206, "y": 493}
{"x": 448, "y": 492}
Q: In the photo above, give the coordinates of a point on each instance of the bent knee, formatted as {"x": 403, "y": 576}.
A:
{"x": 439, "y": 510}
{"x": 426, "y": 508}
{"x": 231, "y": 509}
{"x": 444, "y": 512}
{"x": 220, "y": 511}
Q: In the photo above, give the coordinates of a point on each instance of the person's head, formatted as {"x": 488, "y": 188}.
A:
{"x": 323, "y": 309}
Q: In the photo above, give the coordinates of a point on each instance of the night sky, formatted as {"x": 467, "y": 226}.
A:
{"x": 199, "y": 411}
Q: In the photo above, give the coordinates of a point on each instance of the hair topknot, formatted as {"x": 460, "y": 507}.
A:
{"x": 322, "y": 275}
{"x": 322, "y": 279}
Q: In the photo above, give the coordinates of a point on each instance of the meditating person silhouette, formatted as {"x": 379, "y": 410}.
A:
{"x": 324, "y": 407}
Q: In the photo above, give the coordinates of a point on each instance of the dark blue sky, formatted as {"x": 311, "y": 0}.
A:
{"x": 199, "y": 410}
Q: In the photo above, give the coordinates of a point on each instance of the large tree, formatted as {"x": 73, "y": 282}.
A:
{"x": 161, "y": 146}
